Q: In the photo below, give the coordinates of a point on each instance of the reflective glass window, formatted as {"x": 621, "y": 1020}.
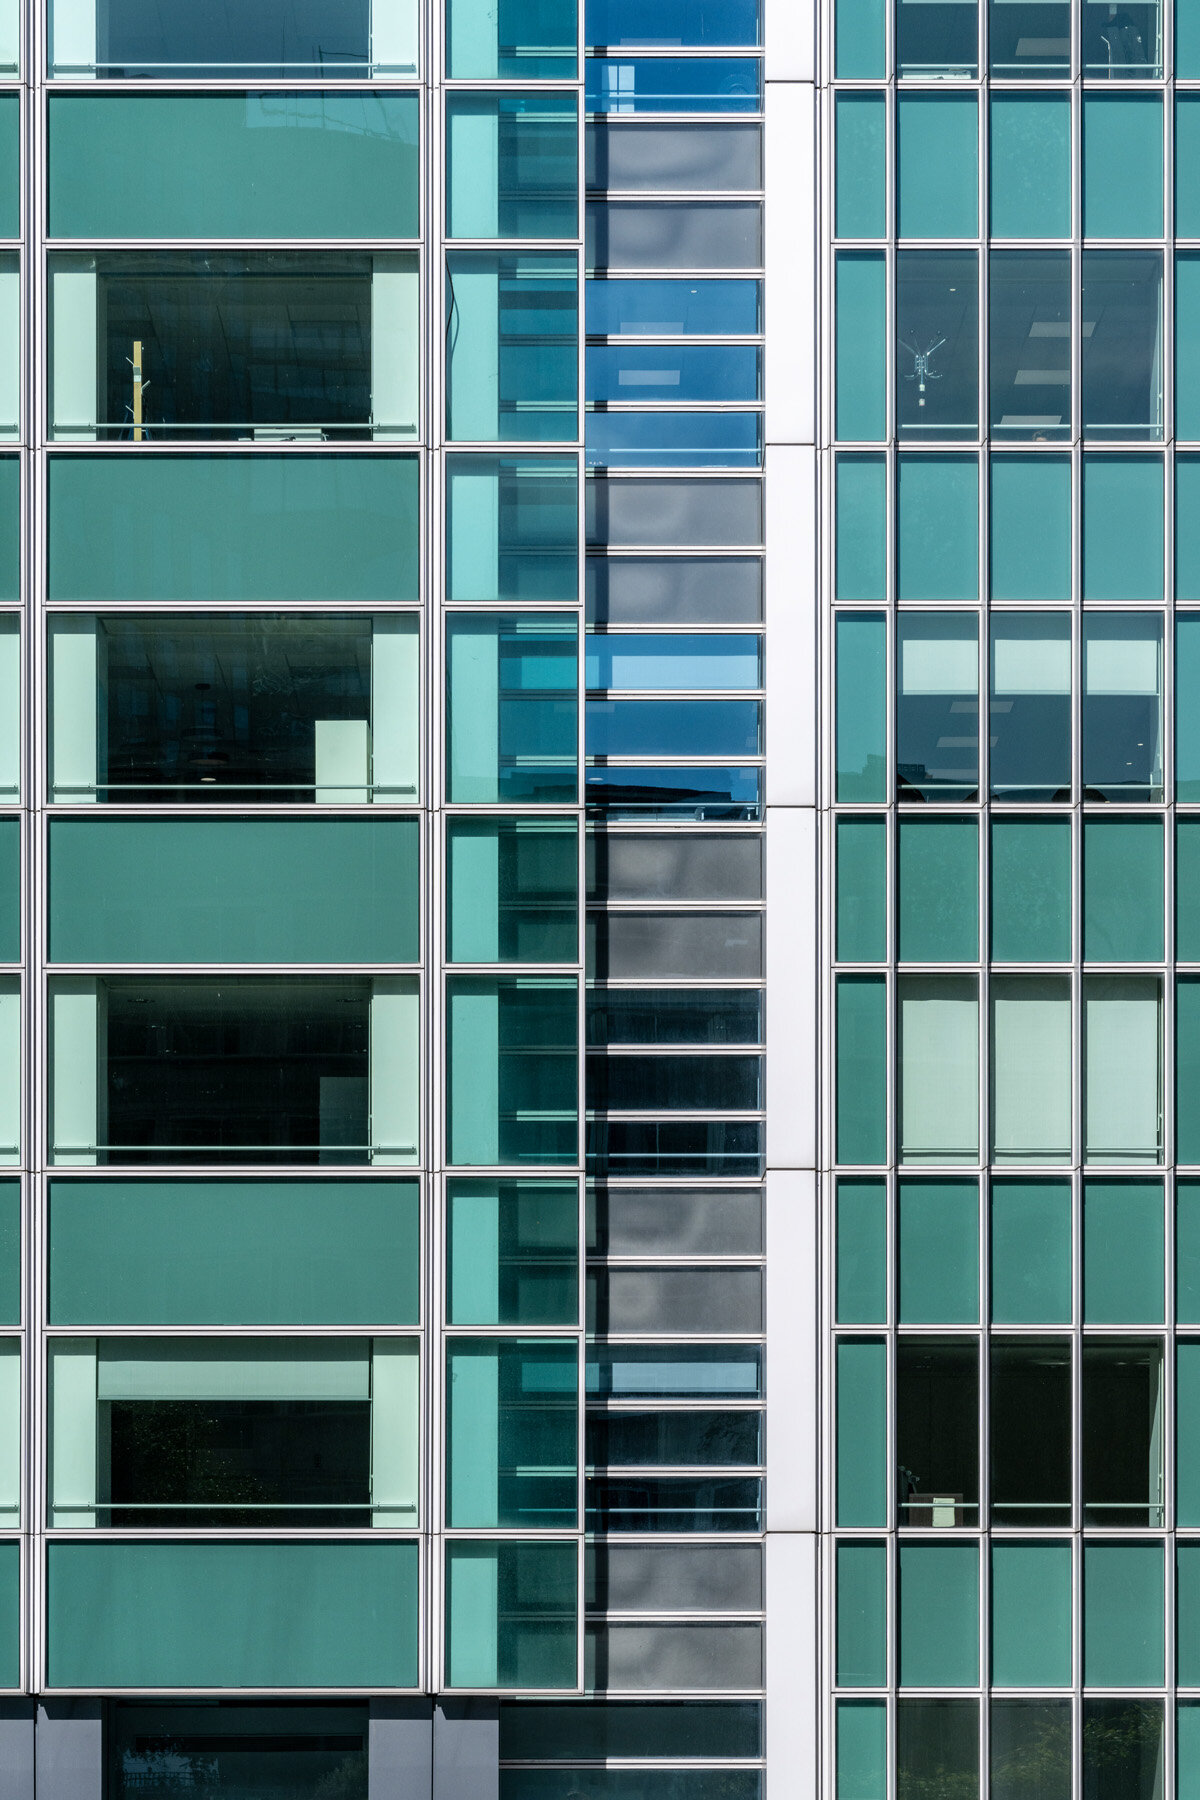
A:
{"x": 1031, "y": 890}
{"x": 127, "y": 39}
{"x": 651, "y": 308}
{"x": 513, "y": 1070}
{"x": 938, "y": 1055}
{"x": 1031, "y": 1070}
{"x": 861, "y": 347}
{"x": 512, "y": 347}
{"x": 1122, "y": 163}
{"x": 861, "y": 149}
{"x": 669, "y": 373}
{"x": 513, "y": 704}
{"x": 529, "y": 146}
{"x": 1030, "y": 39}
{"x": 1122, "y": 1069}
{"x": 1122, "y": 40}
{"x": 937, "y": 706}
{"x": 512, "y": 531}
{"x": 1122, "y": 1440}
{"x": 512, "y": 1252}
{"x": 513, "y": 889}
{"x": 511, "y": 1612}
{"x": 937, "y": 38}
{"x": 937, "y": 341}
{"x": 303, "y": 1750}
{"x": 937, "y": 162}
{"x": 1030, "y": 168}
{"x": 1122, "y": 357}
{"x": 1030, "y": 706}
{"x": 1122, "y": 706}
{"x": 937, "y": 1455}
{"x": 1029, "y": 327}
{"x": 710, "y": 84}
{"x": 1030, "y": 1431}
{"x": 514, "y": 40}
{"x": 861, "y": 706}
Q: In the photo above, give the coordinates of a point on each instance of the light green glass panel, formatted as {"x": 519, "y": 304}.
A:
{"x": 1122, "y": 1252}
{"x": 234, "y": 1253}
{"x": 1187, "y": 1252}
{"x": 1187, "y": 1753}
{"x": 1031, "y": 890}
{"x": 10, "y": 528}
{"x": 861, "y": 706}
{"x": 234, "y": 890}
{"x": 1123, "y": 1615}
{"x": 513, "y": 1059}
{"x": 860, "y": 40}
{"x": 269, "y": 165}
{"x": 262, "y": 528}
{"x": 861, "y": 1432}
{"x": 1122, "y": 165}
{"x": 1187, "y": 889}
{"x": 512, "y": 166}
{"x": 1187, "y": 361}
{"x": 861, "y": 200}
{"x": 10, "y": 890}
{"x": 861, "y": 890}
{"x": 861, "y": 1741}
{"x": 861, "y": 528}
{"x": 512, "y": 1423}
{"x": 511, "y": 1614}
{"x": 861, "y": 379}
{"x": 861, "y": 1252}
{"x": 939, "y": 1615}
{"x": 861, "y": 1615}
{"x": 1031, "y": 1253}
{"x": 512, "y": 1252}
{"x": 937, "y": 157}
{"x": 1123, "y": 890}
{"x": 1187, "y": 1440}
{"x": 490, "y": 40}
{"x": 10, "y": 165}
{"x": 939, "y": 528}
{"x": 1031, "y": 168}
{"x": 175, "y": 1615}
{"x": 861, "y": 1069}
{"x": 1031, "y": 527}
{"x": 1031, "y": 1615}
{"x": 939, "y": 1253}
{"x": 1187, "y": 1071}
{"x": 512, "y": 346}
{"x": 512, "y": 529}
{"x": 513, "y": 891}
{"x": 1122, "y": 528}
{"x": 939, "y": 890}
{"x": 1187, "y": 698}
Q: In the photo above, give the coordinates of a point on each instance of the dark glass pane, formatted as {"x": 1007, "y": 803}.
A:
{"x": 255, "y": 1752}
{"x": 1029, "y": 321}
{"x": 674, "y": 1016}
{"x": 1122, "y": 368}
{"x": 937, "y": 334}
{"x": 1122, "y": 1749}
{"x": 1030, "y": 709}
{"x": 937, "y": 1749}
{"x": 937, "y": 1433}
{"x": 1030, "y": 1750}
{"x": 1122, "y": 1434}
{"x": 1030, "y": 1421}
{"x": 673, "y": 1503}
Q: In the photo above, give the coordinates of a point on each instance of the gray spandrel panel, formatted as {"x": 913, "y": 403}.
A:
{"x": 674, "y": 1578}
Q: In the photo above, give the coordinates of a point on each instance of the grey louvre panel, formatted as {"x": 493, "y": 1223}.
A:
{"x": 669, "y": 510}
{"x": 674, "y": 158}
{"x": 674, "y": 1222}
{"x": 671, "y": 1658}
{"x": 678, "y": 1300}
{"x": 674, "y": 234}
{"x": 691, "y": 866}
{"x": 650, "y": 1578}
{"x": 674, "y": 590}
{"x": 663, "y": 946}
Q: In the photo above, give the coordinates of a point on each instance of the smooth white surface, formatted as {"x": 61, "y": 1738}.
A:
{"x": 791, "y": 627}
{"x": 791, "y": 1001}
{"x": 792, "y": 1637}
{"x": 792, "y": 1371}
{"x": 789, "y": 156}
{"x": 790, "y": 40}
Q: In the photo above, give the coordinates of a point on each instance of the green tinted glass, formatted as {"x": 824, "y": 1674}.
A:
{"x": 512, "y": 529}
{"x": 1187, "y": 706}
{"x": 511, "y": 1612}
{"x": 861, "y": 1069}
{"x": 861, "y": 1615}
{"x": 861, "y": 199}
{"x": 502, "y": 40}
{"x": 938, "y": 552}
{"x": 1120, "y": 563}
{"x": 1031, "y": 1615}
{"x": 1187, "y": 1440}
{"x": 861, "y": 1252}
{"x": 512, "y": 1429}
{"x": 937, "y": 156}
{"x": 861, "y": 706}
{"x": 512, "y": 166}
{"x": 861, "y": 1744}
{"x": 1123, "y": 890}
{"x": 939, "y": 1253}
{"x": 939, "y": 890}
{"x": 861, "y": 890}
{"x": 1123, "y": 1615}
{"x": 1187, "y": 354}
{"x": 1187, "y": 1071}
{"x": 513, "y": 891}
{"x": 1031, "y": 1253}
{"x": 513, "y": 1060}
{"x": 860, "y": 40}
{"x": 939, "y": 1615}
{"x": 1031, "y": 890}
{"x": 861, "y": 528}
{"x": 1187, "y": 1252}
{"x": 861, "y": 1432}
{"x": 1122, "y": 1252}
{"x": 1031, "y": 166}
{"x": 861, "y": 379}
{"x": 512, "y": 1252}
{"x": 1031, "y": 527}
{"x": 1122, "y": 165}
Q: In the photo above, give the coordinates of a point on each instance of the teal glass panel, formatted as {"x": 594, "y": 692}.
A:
{"x": 861, "y": 1253}
{"x": 1187, "y": 1252}
{"x": 513, "y": 892}
{"x": 513, "y": 1055}
{"x": 1187, "y": 353}
{"x": 234, "y": 890}
{"x": 266, "y": 165}
{"x": 512, "y": 529}
{"x": 512, "y": 1425}
{"x": 1188, "y": 1614}
{"x": 10, "y": 890}
{"x": 512, "y": 343}
{"x": 938, "y": 545}
{"x": 1122, "y": 528}
{"x": 861, "y": 1615}
{"x": 861, "y": 1432}
{"x": 1031, "y": 890}
{"x": 10, "y": 166}
{"x": 234, "y": 1253}
{"x": 512, "y": 166}
{"x": 861, "y": 374}
{"x": 10, "y": 1255}
{"x": 1187, "y": 1441}
{"x": 937, "y": 157}
{"x": 939, "y": 1253}
{"x": 939, "y": 890}
{"x": 1123, "y": 1627}
{"x": 262, "y": 528}
{"x": 512, "y": 704}
{"x": 860, "y": 38}
{"x": 1187, "y": 40}
{"x": 502, "y": 40}
{"x": 1122, "y": 1252}
{"x": 511, "y": 1614}
{"x": 1031, "y": 1615}
{"x": 939, "y": 1615}
{"x": 860, "y": 121}
{"x": 1031, "y": 168}
{"x": 861, "y": 528}
{"x": 861, "y": 889}
{"x": 1123, "y": 890}
{"x": 1187, "y": 151}
{"x": 861, "y": 1740}
{"x": 861, "y": 706}
{"x": 512, "y": 1252}
{"x": 174, "y": 1615}
{"x": 861, "y": 1069}
{"x": 1031, "y": 527}
{"x": 1122, "y": 165}
{"x": 10, "y": 528}
{"x": 1187, "y": 714}
{"x": 1187, "y": 531}
{"x": 1187, "y": 1071}
{"x": 1031, "y": 1253}
{"x": 1187, "y": 1750}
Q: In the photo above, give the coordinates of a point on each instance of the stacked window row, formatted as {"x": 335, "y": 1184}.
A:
{"x": 1029, "y": 40}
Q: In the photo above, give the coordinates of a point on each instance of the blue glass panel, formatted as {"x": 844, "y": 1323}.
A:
{"x": 619, "y": 661}
{"x": 674, "y": 1371}
{"x": 653, "y": 793}
{"x": 673, "y": 727}
{"x": 666, "y": 23}
{"x": 709, "y": 84}
{"x": 673, "y": 308}
{"x": 673, "y": 372}
{"x": 682, "y": 440}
